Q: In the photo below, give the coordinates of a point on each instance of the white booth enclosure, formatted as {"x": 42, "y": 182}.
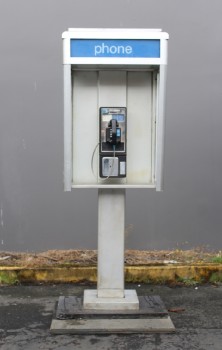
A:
{"x": 118, "y": 75}
{"x": 114, "y": 68}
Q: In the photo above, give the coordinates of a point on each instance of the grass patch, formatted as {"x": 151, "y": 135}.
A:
{"x": 216, "y": 277}
{"x": 217, "y": 259}
{"x": 187, "y": 281}
{"x": 8, "y": 277}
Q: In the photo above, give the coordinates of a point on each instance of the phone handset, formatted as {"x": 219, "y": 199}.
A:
{"x": 113, "y": 132}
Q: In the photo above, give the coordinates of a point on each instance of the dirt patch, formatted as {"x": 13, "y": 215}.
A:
{"x": 89, "y": 257}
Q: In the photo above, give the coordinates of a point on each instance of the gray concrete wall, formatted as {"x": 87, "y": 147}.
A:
{"x": 35, "y": 214}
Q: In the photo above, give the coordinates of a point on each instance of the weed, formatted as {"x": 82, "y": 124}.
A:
{"x": 187, "y": 281}
{"x": 217, "y": 259}
{"x": 8, "y": 277}
{"x": 216, "y": 277}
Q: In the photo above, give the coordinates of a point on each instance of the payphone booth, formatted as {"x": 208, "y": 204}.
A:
{"x": 114, "y": 96}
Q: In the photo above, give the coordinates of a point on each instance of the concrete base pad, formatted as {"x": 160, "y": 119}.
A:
{"x": 106, "y": 326}
{"x": 71, "y": 317}
{"x": 92, "y": 302}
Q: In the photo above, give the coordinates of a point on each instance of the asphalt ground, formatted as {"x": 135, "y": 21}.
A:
{"x": 26, "y": 312}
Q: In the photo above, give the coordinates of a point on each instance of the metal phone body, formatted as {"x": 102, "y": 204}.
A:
{"x": 112, "y": 142}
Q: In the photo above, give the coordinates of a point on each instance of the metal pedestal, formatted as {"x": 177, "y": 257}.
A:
{"x": 110, "y": 308}
{"x": 110, "y": 293}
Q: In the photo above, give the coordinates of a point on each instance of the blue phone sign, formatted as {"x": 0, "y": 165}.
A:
{"x": 139, "y": 48}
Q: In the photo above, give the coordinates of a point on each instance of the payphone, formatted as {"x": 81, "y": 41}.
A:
{"x": 112, "y": 142}
{"x": 114, "y": 120}
{"x": 121, "y": 73}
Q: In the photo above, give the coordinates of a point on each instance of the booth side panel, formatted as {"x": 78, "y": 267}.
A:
{"x": 139, "y": 107}
{"x": 85, "y": 127}
{"x": 160, "y": 131}
{"x": 67, "y": 127}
